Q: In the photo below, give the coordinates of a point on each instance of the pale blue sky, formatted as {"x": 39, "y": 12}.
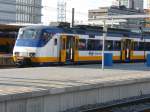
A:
{"x": 81, "y": 9}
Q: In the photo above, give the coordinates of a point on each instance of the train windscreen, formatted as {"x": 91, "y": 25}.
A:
{"x": 28, "y": 34}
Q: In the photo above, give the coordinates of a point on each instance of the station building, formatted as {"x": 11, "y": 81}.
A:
{"x": 135, "y": 4}
{"x": 117, "y": 10}
{"x": 20, "y": 11}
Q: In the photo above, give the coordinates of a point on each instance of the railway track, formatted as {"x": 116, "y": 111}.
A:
{"x": 137, "y": 106}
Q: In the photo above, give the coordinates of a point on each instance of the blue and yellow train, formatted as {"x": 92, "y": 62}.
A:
{"x": 8, "y": 35}
{"x": 7, "y": 42}
{"x": 44, "y": 45}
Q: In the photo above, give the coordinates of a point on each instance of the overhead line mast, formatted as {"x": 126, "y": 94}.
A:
{"x": 61, "y": 11}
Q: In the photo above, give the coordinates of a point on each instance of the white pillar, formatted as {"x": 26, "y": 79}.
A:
{"x": 104, "y": 36}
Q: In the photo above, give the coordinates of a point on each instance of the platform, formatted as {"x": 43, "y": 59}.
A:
{"x": 54, "y": 89}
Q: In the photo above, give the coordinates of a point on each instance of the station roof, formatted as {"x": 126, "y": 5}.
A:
{"x": 5, "y": 27}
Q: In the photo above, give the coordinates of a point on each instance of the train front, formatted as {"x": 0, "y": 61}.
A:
{"x": 27, "y": 43}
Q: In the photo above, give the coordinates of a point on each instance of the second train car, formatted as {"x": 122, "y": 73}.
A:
{"x": 46, "y": 45}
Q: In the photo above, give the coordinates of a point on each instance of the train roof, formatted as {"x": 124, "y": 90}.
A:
{"x": 36, "y": 27}
{"x": 79, "y": 27}
{"x": 95, "y": 30}
{"x": 7, "y": 28}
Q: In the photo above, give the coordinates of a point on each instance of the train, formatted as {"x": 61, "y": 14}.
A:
{"x": 48, "y": 45}
{"x": 7, "y": 42}
{"x": 8, "y": 36}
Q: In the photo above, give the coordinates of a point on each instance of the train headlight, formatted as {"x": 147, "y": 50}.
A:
{"x": 16, "y": 53}
{"x": 32, "y": 54}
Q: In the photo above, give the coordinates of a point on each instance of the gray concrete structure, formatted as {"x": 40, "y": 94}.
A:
{"x": 20, "y": 11}
{"x": 55, "y": 89}
{"x": 117, "y": 10}
{"x": 7, "y": 12}
{"x": 135, "y": 4}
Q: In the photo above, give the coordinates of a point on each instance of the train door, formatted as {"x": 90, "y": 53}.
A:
{"x": 68, "y": 49}
{"x": 76, "y": 51}
{"x": 126, "y": 52}
{"x": 63, "y": 40}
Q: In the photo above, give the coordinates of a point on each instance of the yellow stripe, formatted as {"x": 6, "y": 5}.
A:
{"x": 89, "y": 58}
{"x": 137, "y": 57}
{"x": 5, "y": 40}
{"x": 95, "y": 58}
{"x": 115, "y": 58}
{"x": 44, "y": 59}
{"x": 81, "y": 58}
{"x": 41, "y": 59}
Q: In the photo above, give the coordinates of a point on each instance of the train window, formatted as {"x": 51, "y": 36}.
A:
{"x": 98, "y": 44}
{"x": 91, "y": 44}
{"x": 117, "y": 45}
{"x": 135, "y": 46}
{"x": 108, "y": 45}
{"x": 147, "y": 46}
{"x": 141, "y": 46}
{"x": 91, "y": 36}
{"x": 46, "y": 36}
{"x": 30, "y": 34}
{"x": 55, "y": 41}
{"x": 94, "y": 45}
{"x": 82, "y": 44}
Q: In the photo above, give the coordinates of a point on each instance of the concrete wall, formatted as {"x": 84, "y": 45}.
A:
{"x": 29, "y": 11}
{"x": 20, "y": 11}
{"x": 7, "y": 12}
{"x": 61, "y": 99}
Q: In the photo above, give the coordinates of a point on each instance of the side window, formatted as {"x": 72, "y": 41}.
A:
{"x": 90, "y": 44}
{"x": 109, "y": 45}
{"x": 117, "y": 45}
{"x": 147, "y": 46}
{"x": 141, "y": 46}
{"x": 98, "y": 45}
{"x": 94, "y": 44}
{"x": 55, "y": 41}
{"x": 46, "y": 36}
{"x": 82, "y": 44}
{"x": 135, "y": 46}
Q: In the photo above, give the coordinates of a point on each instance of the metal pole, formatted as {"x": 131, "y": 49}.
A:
{"x": 73, "y": 11}
{"x": 112, "y": 23}
{"x": 103, "y": 49}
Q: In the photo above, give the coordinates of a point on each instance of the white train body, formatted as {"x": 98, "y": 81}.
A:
{"x": 48, "y": 45}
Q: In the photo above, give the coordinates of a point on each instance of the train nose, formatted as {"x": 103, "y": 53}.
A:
{"x": 23, "y": 58}
{"x": 25, "y": 54}
{"x": 23, "y": 62}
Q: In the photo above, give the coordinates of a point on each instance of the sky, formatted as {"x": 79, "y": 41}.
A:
{"x": 81, "y": 9}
